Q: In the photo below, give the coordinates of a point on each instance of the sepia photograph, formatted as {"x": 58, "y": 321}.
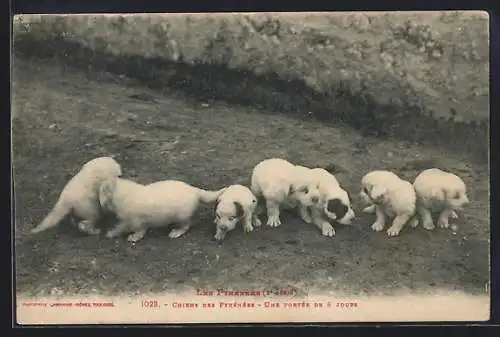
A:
{"x": 271, "y": 167}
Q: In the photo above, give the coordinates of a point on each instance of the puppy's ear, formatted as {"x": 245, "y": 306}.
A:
{"x": 449, "y": 195}
{"x": 378, "y": 193}
{"x": 239, "y": 209}
{"x": 335, "y": 206}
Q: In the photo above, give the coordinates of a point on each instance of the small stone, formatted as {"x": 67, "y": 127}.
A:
{"x": 436, "y": 53}
{"x": 56, "y": 291}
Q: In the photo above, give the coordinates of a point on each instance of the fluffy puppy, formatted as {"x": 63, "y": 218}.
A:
{"x": 391, "y": 197}
{"x": 236, "y": 204}
{"x": 281, "y": 183}
{"x": 438, "y": 191}
{"x": 79, "y": 197}
{"x": 139, "y": 207}
{"x": 334, "y": 203}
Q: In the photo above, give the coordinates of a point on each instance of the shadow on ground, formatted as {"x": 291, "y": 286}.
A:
{"x": 64, "y": 117}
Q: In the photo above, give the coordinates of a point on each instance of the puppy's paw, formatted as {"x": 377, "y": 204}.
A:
{"x": 378, "y": 226}
{"x": 273, "y": 222}
{"x": 392, "y": 231}
{"x": 219, "y": 237}
{"x": 306, "y": 218}
{"x": 429, "y": 225}
{"x": 110, "y": 235}
{"x": 443, "y": 223}
{"x": 327, "y": 230}
{"x": 248, "y": 228}
{"x": 176, "y": 232}
{"x": 453, "y": 215}
{"x": 133, "y": 238}
{"x": 94, "y": 231}
{"x": 413, "y": 222}
{"x": 256, "y": 222}
{"x": 88, "y": 229}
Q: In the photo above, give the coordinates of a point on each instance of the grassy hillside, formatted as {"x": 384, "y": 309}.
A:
{"x": 419, "y": 76}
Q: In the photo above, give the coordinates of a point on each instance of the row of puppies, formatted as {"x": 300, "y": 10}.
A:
{"x": 433, "y": 190}
{"x": 319, "y": 197}
{"x": 98, "y": 189}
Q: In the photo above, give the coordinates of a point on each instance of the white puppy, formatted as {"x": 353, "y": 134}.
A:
{"x": 281, "y": 183}
{"x": 438, "y": 191}
{"x": 79, "y": 197}
{"x": 139, "y": 207}
{"x": 236, "y": 204}
{"x": 334, "y": 203}
{"x": 391, "y": 197}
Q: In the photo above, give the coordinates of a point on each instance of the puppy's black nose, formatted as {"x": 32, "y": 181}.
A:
{"x": 315, "y": 199}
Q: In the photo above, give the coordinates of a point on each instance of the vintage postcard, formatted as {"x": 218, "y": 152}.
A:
{"x": 251, "y": 167}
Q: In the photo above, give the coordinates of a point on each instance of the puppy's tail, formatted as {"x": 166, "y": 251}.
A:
{"x": 208, "y": 197}
{"x": 106, "y": 193}
{"x": 56, "y": 215}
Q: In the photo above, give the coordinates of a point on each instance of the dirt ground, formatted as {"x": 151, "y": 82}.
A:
{"x": 63, "y": 117}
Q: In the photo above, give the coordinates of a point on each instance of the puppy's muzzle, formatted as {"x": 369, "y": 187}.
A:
{"x": 220, "y": 233}
{"x": 315, "y": 199}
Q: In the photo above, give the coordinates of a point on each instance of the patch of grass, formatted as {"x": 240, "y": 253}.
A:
{"x": 412, "y": 76}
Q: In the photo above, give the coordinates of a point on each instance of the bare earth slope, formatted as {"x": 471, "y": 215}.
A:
{"x": 422, "y": 76}
{"x": 64, "y": 117}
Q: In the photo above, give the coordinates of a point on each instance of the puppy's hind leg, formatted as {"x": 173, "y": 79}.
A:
{"x": 426, "y": 217}
{"x": 444, "y": 218}
{"x": 379, "y": 223}
{"x": 180, "y": 230}
{"x": 413, "y": 222}
{"x": 247, "y": 222}
{"x": 273, "y": 213}
{"x": 255, "y": 220}
{"x": 120, "y": 229}
{"x": 304, "y": 214}
{"x": 399, "y": 221}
